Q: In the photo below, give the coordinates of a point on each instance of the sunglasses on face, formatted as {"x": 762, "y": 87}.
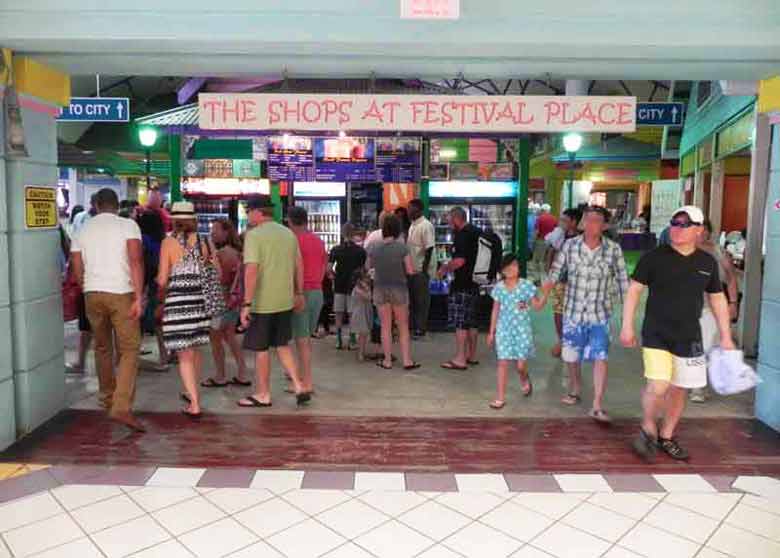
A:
{"x": 682, "y": 224}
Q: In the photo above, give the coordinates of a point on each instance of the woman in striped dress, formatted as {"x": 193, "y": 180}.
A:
{"x": 185, "y": 323}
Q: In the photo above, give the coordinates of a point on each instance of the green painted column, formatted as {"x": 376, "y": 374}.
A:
{"x": 276, "y": 199}
{"x": 174, "y": 153}
{"x": 521, "y": 222}
{"x": 425, "y": 182}
{"x": 425, "y": 194}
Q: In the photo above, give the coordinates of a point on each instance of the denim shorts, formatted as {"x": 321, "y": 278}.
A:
{"x": 585, "y": 342}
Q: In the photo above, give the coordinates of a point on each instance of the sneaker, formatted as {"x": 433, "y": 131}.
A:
{"x": 644, "y": 445}
{"x": 698, "y": 396}
{"x": 673, "y": 449}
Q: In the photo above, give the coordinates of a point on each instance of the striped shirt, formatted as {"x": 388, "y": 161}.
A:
{"x": 593, "y": 277}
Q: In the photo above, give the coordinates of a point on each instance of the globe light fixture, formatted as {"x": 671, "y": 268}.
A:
{"x": 572, "y": 142}
{"x": 147, "y": 136}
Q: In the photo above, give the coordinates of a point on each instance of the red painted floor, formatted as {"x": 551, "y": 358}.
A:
{"x": 717, "y": 446}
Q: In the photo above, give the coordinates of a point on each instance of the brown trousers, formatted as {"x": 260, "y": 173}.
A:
{"x": 108, "y": 313}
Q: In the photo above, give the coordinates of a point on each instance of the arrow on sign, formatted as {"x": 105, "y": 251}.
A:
{"x": 120, "y": 109}
{"x": 674, "y": 114}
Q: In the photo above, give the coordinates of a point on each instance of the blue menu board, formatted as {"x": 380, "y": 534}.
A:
{"x": 344, "y": 160}
{"x": 398, "y": 159}
{"x": 290, "y": 158}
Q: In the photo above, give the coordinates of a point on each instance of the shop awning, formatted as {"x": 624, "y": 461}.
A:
{"x": 174, "y": 118}
{"x": 615, "y": 149}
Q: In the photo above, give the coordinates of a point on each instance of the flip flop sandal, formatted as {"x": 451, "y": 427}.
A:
{"x": 472, "y": 362}
{"x": 212, "y": 383}
{"x": 381, "y": 364}
{"x": 600, "y": 416}
{"x": 497, "y": 405}
{"x": 253, "y": 402}
{"x": 571, "y": 399}
{"x": 529, "y": 391}
{"x": 189, "y": 414}
{"x": 449, "y": 365}
{"x": 413, "y": 366}
{"x": 302, "y": 398}
{"x": 236, "y": 382}
{"x": 672, "y": 448}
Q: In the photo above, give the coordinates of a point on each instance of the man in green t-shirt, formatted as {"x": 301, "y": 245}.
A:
{"x": 273, "y": 289}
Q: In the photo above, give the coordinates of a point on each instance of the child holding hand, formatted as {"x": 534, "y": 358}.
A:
{"x": 510, "y": 325}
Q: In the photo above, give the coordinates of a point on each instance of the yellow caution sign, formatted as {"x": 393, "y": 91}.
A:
{"x": 40, "y": 207}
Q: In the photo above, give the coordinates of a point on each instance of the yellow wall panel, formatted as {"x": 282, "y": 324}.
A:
{"x": 41, "y": 81}
{"x": 769, "y": 95}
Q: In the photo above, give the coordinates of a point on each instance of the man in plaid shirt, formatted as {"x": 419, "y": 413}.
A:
{"x": 595, "y": 271}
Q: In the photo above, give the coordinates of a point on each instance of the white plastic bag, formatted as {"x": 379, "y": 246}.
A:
{"x": 729, "y": 374}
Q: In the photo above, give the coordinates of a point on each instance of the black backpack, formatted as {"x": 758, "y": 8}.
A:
{"x": 488, "y": 261}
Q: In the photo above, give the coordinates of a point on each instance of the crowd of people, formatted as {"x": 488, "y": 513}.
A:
{"x": 149, "y": 271}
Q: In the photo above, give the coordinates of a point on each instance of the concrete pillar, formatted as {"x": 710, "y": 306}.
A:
{"x": 577, "y": 87}
{"x": 32, "y": 381}
{"x": 7, "y": 396}
{"x": 716, "y": 195}
{"x": 768, "y": 393}
{"x": 757, "y": 209}
{"x": 698, "y": 188}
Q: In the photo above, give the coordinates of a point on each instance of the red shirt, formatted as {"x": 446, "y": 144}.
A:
{"x": 314, "y": 260}
{"x": 545, "y": 224}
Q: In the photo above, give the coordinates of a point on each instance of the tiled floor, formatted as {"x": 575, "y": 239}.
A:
{"x": 171, "y": 516}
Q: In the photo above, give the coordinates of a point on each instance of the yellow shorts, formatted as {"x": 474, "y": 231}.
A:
{"x": 683, "y": 372}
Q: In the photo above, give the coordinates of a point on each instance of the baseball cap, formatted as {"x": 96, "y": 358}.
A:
{"x": 259, "y": 202}
{"x": 694, "y": 214}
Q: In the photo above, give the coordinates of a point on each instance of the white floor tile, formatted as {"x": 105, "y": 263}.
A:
{"x": 682, "y": 522}
{"x": 472, "y": 504}
{"x": 478, "y": 541}
{"x": 394, "y": 540}
{"x": 743, "y": 544}
{"x": 81, "y": 548}
{"x": 306, "y": 540}
{"x": 349, "y": 550}
{"x": 392, "y": 503}
{"x": 620, "y": 552}
{"x": 28, "y": 510}
{"x": 554, "y": 506}
{"x": 517, "y": 521}
{"x": 74, "y": 496}
{"x": 234, "y": 500}
{"x": 131, "y": 537}
{"x": 352, "y": 518}
{"x": 563, "y": 541}
{"x": 270, "y": 517}
{"x": 684, "y": 483}
{"x": 313, "y": 502}
{"x": 634, "y": 506}
{"x": 650, "y": 542}
{"x": 107, "y": 513}
{"x": 175, "y": 477}
{"x": 168, "y": 549}
{"x": 380, "y": 481}
{"x": 482, "y": 483}
{"x": 153, "y": 498}
{"x": 765, "y": 504}
{"x": 714, "y": 506}
{"x": 756, "y": 521}
{"x": 42, "y": 535}
{"x": 707, "y": 552}
{"x": 434, "y": 520}
{"x": 277, "y": 481}
{"x": 583, "y": 483}
{"x": 218, "y": 539}
{"x": 257, "y": 550}
{"x": 766, "y": 487}
{"x": 599, "y": 522}
{"x": 188, "y": 515}
{"x": 4, "y": 552}
{"x": 529, "y": 551}
{"x": 439, "y": 551}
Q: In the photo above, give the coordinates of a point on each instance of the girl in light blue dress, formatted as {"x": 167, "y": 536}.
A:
{"x": 510, "y": 325}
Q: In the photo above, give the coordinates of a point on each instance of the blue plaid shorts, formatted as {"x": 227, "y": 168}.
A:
{"x": 462, "y": 310}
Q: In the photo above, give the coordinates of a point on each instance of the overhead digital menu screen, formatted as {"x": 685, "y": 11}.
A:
{"x": 398, "y": 160}
{"x": 290, "y": 158}
{"x": 344, "y": 160}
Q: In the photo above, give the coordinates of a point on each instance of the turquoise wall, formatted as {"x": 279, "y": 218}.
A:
{"x": 768, "y": 393}
{"x": 700, "y": 123}
{"x": 32, "y": 381}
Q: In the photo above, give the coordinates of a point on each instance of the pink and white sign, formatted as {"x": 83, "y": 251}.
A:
{"x": 430, "y": 9}
{"x": 416, "y": 113}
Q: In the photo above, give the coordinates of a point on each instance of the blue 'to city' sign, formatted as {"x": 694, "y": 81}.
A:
{"x": 97, "y": 109}
{"x": 659, "y": 114}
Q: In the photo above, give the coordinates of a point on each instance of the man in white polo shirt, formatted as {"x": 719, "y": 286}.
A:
{"x": 107, "y": 257}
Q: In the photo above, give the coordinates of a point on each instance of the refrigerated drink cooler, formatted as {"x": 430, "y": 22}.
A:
{"x": 324, "y": 220}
